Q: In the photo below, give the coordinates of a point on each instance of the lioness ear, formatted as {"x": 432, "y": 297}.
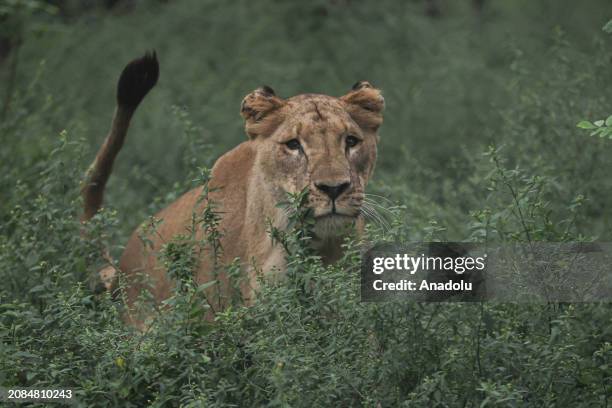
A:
{"x": 365, "y": 104}
{"x": 260, "y": 112}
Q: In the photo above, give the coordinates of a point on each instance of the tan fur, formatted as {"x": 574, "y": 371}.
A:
{"x": 257, "y": 174}
{"x": 100, "y": 170}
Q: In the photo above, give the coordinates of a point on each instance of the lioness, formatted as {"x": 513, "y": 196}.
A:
{"x": 320, "y": 142}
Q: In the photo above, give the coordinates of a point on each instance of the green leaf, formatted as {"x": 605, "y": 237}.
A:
{"x": 585, "y": 124}
{"x": 38, "y": 288}
{"x": 608, "y": 27}
{"x": 206, "y": 285}
{"x": 609, "y": 121}
{"x": 597, "y": 131}
{"x": 599, "y": 123}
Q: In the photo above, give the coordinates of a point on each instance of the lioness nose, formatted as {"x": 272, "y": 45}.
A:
{"x": 334, "y": 191}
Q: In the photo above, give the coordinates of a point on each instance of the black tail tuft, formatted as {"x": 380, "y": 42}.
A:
{"x": 137, "y": 79}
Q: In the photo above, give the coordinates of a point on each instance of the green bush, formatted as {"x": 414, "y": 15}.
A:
{"x": 480, "y": 144}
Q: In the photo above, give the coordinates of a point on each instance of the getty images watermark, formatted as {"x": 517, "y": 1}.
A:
{"x": 456, "y": 271}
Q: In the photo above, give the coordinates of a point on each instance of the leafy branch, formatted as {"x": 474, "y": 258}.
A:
{"x": 601, "y": 128}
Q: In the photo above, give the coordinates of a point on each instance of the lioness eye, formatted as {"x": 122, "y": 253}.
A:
{"x": 352, "y": 141}
{"x": 293, "y": 144}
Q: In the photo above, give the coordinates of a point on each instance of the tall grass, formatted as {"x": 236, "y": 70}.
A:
{"x": 479, "y": 143}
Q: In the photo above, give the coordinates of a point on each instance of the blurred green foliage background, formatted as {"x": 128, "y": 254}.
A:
{"x": 479, "y": 143}
{"x": 518, "y": 73}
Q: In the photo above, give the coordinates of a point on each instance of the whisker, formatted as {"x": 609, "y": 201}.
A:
{"x": 378, "y": 205}
{"x": 382, "y": 217}
{"x": 368, "y": 216}
{"x": 384, "y": 207}
{"x": 388, "y": 200}
{"x": 387, "y": 216}
{"x": 375, "y": 216}
{"x": 378, "y": 222}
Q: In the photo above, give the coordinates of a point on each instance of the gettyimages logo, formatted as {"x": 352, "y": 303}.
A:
{"x": 456, "y": 271}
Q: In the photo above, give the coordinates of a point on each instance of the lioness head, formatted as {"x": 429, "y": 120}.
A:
{"x": 325, "y": 143}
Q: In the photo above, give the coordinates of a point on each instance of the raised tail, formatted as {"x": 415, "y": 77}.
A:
{"x": 137, "y": 79}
